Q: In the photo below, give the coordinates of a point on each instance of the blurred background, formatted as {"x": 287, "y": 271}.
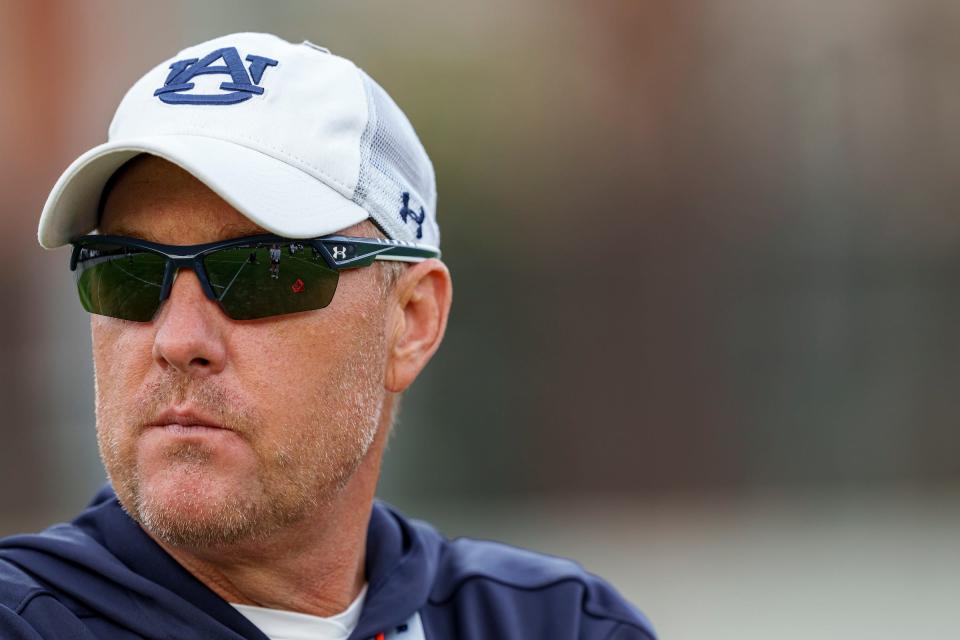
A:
{"x": 705, "y": 335}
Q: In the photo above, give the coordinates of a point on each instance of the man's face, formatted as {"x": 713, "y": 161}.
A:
{"x": 299, "y": 397}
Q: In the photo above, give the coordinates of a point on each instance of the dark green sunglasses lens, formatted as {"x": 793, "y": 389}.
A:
{"x": 251, "y": 283}
{"x": 120, "y": 282}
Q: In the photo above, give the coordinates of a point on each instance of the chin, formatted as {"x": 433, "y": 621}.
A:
{"x": 193, "y": 507}
{"x": 206, "y": 507}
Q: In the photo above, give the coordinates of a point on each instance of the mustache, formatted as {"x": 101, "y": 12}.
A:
{"x": 202, "y": 395}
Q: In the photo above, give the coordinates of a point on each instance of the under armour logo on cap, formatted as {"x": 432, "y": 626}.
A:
{"x": 407, "y": 213}
{"x": 242, "y": 85}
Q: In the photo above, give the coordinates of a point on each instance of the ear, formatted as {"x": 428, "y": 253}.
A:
{"x": 421, "y": 306}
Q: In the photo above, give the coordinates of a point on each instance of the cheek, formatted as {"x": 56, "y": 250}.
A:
{"x": 121, "y": 356}
{"x": 286, "y": 367}
{"x": 298, "y": 368}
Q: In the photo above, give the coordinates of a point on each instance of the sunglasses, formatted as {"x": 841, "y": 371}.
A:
{"x": 251, "y": 277}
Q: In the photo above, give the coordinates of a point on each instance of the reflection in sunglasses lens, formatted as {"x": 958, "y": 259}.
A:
{"x": 250, "y": 281}
{"x": 261, "y": 280}
{"x": 120, "y": 282}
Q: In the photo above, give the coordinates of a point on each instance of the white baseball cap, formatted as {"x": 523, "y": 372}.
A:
{"x": 300, "y": 141}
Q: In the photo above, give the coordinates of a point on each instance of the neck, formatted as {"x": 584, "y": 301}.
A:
{"x": 315, "y": 567}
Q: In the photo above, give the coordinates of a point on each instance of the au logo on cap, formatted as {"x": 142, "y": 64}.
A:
{"x": 243, "y": 82}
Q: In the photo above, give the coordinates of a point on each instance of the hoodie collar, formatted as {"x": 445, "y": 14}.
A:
{"x": 402, "y": 560}
{"x": 401, "y": 563}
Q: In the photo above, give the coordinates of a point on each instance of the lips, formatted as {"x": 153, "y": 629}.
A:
{"x": 184, "y": 421}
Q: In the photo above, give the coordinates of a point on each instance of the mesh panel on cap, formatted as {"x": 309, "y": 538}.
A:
{"x": 392, "y": 161}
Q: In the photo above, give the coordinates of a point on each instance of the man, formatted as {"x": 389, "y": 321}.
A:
{"x": 241, "y": 497}
{"x": 275, "y": 261}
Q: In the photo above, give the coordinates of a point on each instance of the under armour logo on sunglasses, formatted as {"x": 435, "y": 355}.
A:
{"x": 243, "y": 84}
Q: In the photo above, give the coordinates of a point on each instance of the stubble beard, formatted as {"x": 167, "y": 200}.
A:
{"x": 297, "y": 475}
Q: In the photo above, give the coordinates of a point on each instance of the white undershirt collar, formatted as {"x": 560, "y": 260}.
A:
{"x": 277, "y": 624}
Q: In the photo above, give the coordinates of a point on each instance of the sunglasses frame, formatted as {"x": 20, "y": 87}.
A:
{"x": 339, "y": 252}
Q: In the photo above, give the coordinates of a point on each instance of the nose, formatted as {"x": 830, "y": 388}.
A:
{"x": 190, "y": 334}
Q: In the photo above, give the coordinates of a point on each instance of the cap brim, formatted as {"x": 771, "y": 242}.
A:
{"x": 279, "y": 197}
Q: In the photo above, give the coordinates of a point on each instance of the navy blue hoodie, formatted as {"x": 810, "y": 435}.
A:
{"x": 102, "y": 577}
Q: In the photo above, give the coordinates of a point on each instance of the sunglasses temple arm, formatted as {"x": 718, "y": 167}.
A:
{"x": 74, "y": 257}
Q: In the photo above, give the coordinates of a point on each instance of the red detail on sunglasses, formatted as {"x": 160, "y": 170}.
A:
{"x": 297, "y": 286}
{"x": 380, "y": 636}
